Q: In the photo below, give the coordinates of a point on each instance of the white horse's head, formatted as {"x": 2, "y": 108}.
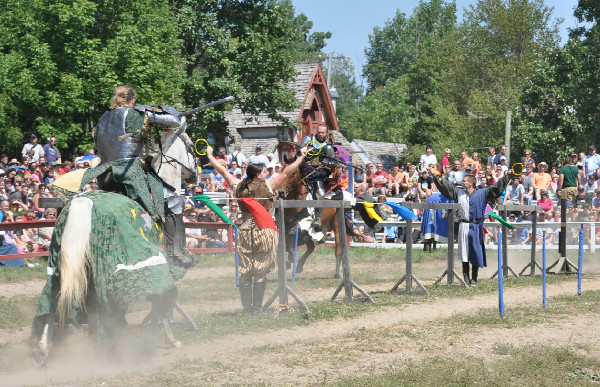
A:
{"x": 177, "y": 161}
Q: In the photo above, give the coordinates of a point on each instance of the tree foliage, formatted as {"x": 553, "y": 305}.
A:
{"x": 560, "y": 105}
{"x": 379, "y": 116}
{"x": 60, "y": 60}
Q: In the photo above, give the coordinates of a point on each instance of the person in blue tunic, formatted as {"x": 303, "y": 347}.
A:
{"x": 434, "y": 224}
{"x": 471, "y": 246}
{"x": 8, "y": 249}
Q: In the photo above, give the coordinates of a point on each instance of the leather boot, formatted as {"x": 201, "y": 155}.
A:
{"x": 434, "y": 244}
{"x": 465, "y": 267}
{"x": 474, "y": 272}
{"x": 317, "y": 226}
{"x": 175, "y": 239}
{"x": 246, "y": 294}
{"x": 258, "y": 293}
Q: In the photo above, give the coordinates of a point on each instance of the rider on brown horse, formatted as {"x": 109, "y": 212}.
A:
{"x": 319, "y": 169}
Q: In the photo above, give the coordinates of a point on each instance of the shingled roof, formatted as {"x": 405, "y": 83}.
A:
{"x": 238, "y": 120}
{"x": 386, "y": 153}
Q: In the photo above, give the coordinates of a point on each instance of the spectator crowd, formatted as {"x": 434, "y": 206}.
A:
{"x": 539, "y": 183}
{"x": 26, "y": 179}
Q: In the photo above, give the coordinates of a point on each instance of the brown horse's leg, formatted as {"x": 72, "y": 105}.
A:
{"x": 310, "y": 248}
{"x": 338, "y": 244}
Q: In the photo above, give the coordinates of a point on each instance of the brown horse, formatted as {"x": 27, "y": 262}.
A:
{"x": 297, "y": 190}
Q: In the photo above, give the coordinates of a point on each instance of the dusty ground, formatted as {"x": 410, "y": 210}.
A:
{"x": 325, "y": 350}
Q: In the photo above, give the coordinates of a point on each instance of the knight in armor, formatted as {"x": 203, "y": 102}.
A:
{"x": 320, "y": 166}
{"x": 123, "y": 141}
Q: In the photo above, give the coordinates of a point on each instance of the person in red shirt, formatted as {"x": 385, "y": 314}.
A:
{"x": 380, "y": 180}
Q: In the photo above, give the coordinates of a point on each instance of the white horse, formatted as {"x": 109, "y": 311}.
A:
{"x": 107, "y": 252}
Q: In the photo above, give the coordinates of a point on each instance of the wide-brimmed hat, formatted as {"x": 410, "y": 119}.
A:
{"x": 13, "y": 161}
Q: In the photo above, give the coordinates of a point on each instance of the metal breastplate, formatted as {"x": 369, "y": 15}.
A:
{"x": 110, "y": 126}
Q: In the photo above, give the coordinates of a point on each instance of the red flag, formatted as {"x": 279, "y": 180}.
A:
{"x": 261, "y": 216}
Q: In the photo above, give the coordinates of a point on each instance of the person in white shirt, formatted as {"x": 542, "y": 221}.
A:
{"x": 258, "y": 157}
{"x": 427, "y": 158}
{"x": 32, "y": 149}
{"x": 237, "y": 156}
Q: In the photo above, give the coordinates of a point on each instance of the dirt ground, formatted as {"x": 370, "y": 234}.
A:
{"x": 322, "y": 351}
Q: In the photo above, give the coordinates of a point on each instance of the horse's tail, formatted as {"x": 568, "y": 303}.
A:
{"x": 74, "y": 255}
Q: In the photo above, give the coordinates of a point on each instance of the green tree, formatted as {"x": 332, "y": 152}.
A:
{"x": 379, "y": 116}
{"x": 489, "y": 59}
{"x": 394, "y": 49}
{"x": 560, "y": 113}
{"x": 62, "y": 59}
{"x": 349, "y": 93}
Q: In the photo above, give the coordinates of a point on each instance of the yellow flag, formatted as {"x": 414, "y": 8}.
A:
{"x": 371, "y": 212}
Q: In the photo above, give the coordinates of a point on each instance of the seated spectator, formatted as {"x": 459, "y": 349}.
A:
{"x": 524, "y": 235}
{"x": 396, "y": 183}
{"x": 582, "y": 200}
{"x": 194, "y": 236}
{"x": 591, "y": 186}
{"x": 456, "y": 174}
{"x": 466, "y": 161}
{"x": 365, "y": 234}
{"x": 514, "y": 193}
{"x": 217, "y": 181}
{"x": 215, "y": 237}
{"x": 380, "y": 180}
{"x": 528, "y": 190}
{"x": 424, "y": 186}
{"x": 43, "y": 235}
{"x": 540, "y": 230}
{"x": 359, "y": 180}
{"x": 344, "y": 177}
{"x": 541, "y": 180}
{"x": 503, "y": 164}
{"x": 525, "y": 217}
{"x": 596, "y": 202}
{"x": 545, "y": 202}
{"x": 593, "y": 217}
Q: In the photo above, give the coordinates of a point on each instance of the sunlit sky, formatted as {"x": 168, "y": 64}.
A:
{"x": 351, "y": 21}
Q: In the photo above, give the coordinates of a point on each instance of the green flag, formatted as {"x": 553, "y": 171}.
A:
{"x": 216, "y": 209}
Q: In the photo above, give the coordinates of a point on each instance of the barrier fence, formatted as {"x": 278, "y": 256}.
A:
{"x": 15, "y": 226}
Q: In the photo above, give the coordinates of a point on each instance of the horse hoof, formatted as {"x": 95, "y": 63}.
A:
{"x": 299, "y": 269}
{"x": 39, "y": 357}
{"x": 336, "y": 276}
{"x": 288, "y": 266}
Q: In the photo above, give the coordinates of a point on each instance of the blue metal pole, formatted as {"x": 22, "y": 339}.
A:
{"x": 500, "y": 278}
{"x": 580, "y": 263}
{"x": 295, "y": 255}
{"x": 544, "y": 269}
{"x": 237, "y": 259}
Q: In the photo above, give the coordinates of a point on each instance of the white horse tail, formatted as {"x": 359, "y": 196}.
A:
{"x": 74, "y": 257}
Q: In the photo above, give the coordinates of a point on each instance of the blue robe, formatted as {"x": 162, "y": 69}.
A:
{"x": 434, "y": 225}
{"x": 8, "y": 249}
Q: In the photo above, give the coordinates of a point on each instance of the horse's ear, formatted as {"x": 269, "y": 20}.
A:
{"x": 287, "y": 160}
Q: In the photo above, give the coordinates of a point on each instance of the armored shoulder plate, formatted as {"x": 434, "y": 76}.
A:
{"x": 110, "y": 126}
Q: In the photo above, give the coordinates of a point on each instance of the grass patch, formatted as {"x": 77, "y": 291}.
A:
{"x": 24, "y": 274}
{"x": 11, "y": 314}
{"x": 538, "y": 366}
